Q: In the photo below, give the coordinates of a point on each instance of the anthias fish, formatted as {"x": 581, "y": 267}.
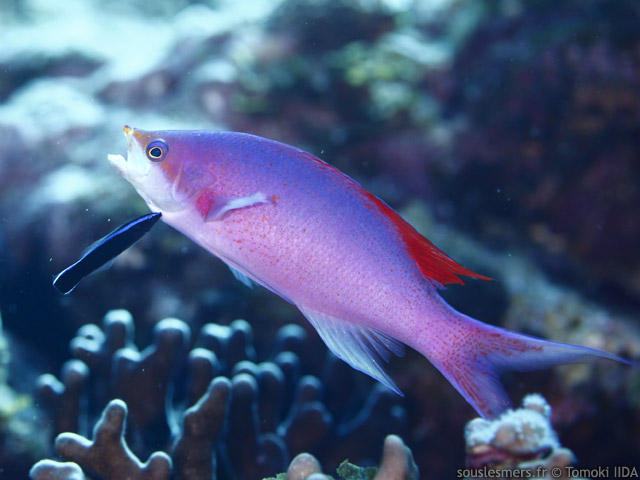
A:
{"x": 365, "y": 279}
{"x": 104, "y": 251}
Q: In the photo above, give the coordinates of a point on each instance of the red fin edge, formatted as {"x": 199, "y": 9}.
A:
{"x": 433, "y": 262}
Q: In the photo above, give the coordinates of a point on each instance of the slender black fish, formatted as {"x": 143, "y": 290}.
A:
{"x": 103, "y": 251}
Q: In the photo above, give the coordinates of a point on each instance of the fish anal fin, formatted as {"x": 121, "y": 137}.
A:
{"x": 214, "y": 207}
{"x": 362, "y": 347}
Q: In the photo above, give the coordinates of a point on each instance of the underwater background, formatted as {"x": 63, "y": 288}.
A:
{"x": 506, "y": 131}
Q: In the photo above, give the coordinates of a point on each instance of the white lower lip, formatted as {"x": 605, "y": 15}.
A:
{"x": 118, "y": 161}
{"x": 115, "y": 158}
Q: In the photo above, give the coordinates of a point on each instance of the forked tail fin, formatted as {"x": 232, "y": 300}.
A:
{"x": 472, "y": 356}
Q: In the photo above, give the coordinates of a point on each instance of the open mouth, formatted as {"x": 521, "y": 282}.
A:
{"x": 118, "y": 161}
{"x": 135, "y": 165}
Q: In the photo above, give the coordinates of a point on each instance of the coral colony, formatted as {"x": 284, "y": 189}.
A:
{"x": 225, "y": 392}
{"x": 192, "y": 410}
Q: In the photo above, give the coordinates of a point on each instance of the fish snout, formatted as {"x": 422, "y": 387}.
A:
{"x": 119, "y": 162}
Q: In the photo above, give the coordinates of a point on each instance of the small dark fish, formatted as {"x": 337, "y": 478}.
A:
{"x": 104, "y": 250}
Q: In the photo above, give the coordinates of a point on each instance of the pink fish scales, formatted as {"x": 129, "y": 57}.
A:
{"x": 365, "y": 279}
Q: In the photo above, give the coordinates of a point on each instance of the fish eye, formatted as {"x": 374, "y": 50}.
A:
{"x": 157, "y": 150}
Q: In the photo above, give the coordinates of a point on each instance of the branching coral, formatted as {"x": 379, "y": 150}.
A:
{"x": 245, "y": 424}
{"x": 109, "y": 457}
{"x": 202, "y": 426}
{"x": 108, "y": 454}
{"x": 396, "y": 464}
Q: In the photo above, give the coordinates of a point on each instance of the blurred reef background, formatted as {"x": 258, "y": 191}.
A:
{"x": 506, "y": 131}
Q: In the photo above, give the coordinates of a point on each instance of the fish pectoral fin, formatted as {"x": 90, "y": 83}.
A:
{"x": 216, "y": 207}
{"x": 361, "y": 347}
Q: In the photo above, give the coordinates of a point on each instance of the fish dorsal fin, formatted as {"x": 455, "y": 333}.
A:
{"x": 241, "y": 276}
{"x": 436, "y": 265}
{"x": 361, "y": 347}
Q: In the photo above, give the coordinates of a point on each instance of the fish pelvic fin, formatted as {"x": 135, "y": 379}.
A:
{"x": 363, "y": 348}
{"x": 472, "y": 356}
{"x": 242, "y": 277}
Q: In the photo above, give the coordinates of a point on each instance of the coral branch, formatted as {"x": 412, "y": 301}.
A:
{"x": 397, "y": 464}
{"x": 50, "y": 470}
{"x": 397, "y": 461}
{"x": 108, "y": 455}
{"x": 194, "y": 449}
{"x": 303, "y": 466}
{"x": 64, "y": 397}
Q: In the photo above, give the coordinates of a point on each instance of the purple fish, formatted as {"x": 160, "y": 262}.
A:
{"x": 365, "y": 279}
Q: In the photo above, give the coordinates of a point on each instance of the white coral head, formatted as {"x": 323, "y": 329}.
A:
{"x": 536, "y": 402}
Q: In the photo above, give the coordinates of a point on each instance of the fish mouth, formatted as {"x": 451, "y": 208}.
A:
{"x": 147, "y": 178}
{"x": 118, "y": 161}
{"x": 134, "y": 166}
